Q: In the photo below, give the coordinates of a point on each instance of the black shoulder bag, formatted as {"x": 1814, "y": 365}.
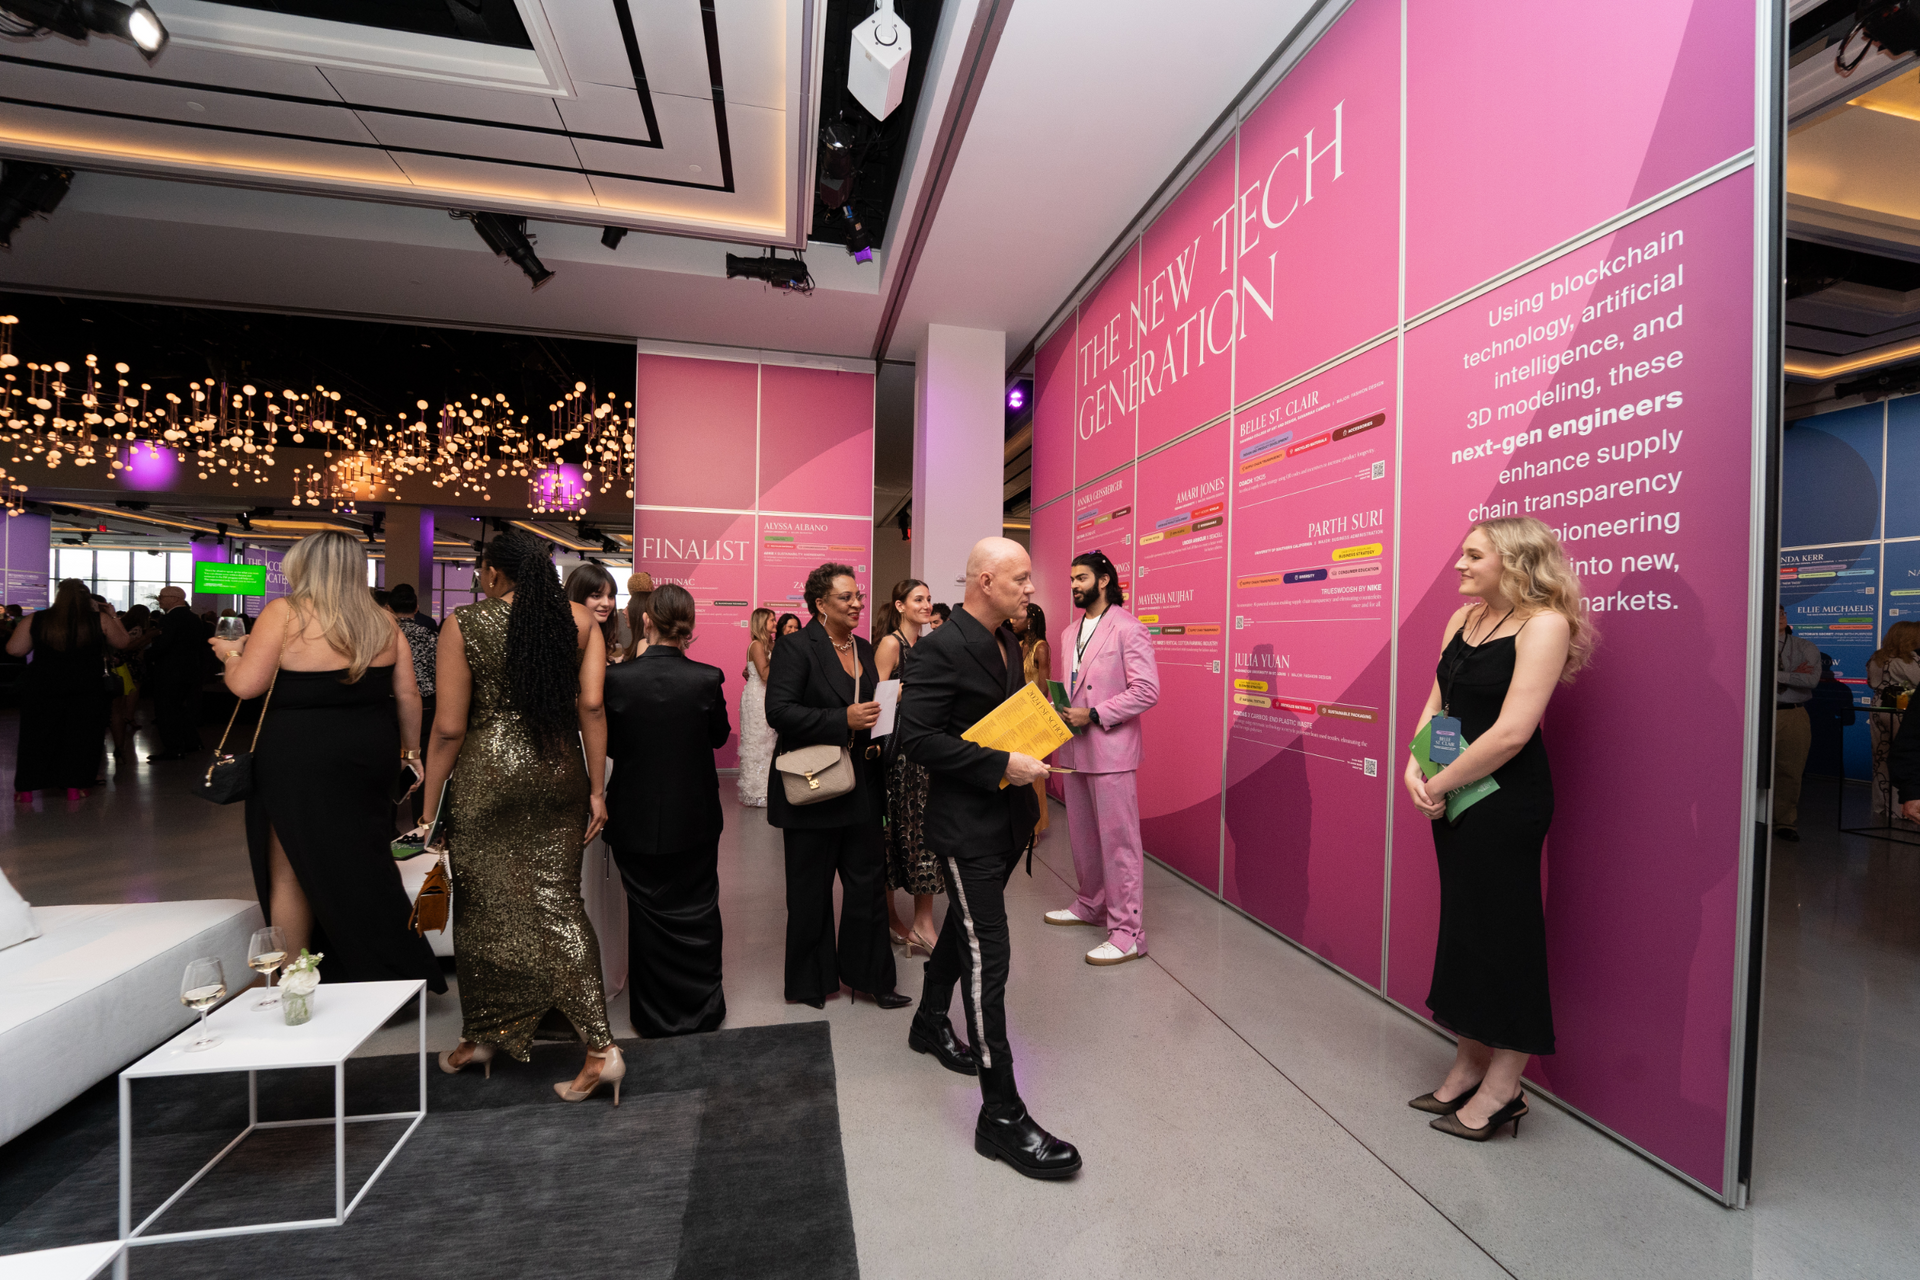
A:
{"x": 230, "y": 776}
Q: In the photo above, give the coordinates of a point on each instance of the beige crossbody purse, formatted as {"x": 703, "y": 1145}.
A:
{"x": 819, "y": 772}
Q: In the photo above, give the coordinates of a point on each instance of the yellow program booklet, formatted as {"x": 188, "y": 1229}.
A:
{"x": 1025, "y": 722}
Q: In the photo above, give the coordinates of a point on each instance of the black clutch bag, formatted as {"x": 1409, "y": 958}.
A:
{"x": 230, "y": 776}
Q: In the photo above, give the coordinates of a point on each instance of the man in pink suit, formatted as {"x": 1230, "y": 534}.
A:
{"x": 1113, "y": 679}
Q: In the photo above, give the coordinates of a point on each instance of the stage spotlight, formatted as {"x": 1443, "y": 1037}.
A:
{"x": 1016, "y": 398}
{"x": 859, "y": 243}
{"x": 1893, "y": 27}
{"x": 135, "y": 23}
{"x": 790, "y": 274}
{"x": 509, "y": 239}
{"x": 612, "y": 236}
{"x": 28, "y": 188}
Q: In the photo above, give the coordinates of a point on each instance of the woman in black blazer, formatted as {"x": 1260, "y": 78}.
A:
{"x": 811, "y": 699}
{"x": 666, "y": 715}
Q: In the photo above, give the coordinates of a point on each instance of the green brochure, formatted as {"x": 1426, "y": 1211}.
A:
{"x": 1059, "y": 694}
{"x": 1458, "y": 802}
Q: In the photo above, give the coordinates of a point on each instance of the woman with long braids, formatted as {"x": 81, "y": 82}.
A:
{"x": 520, "y": 679}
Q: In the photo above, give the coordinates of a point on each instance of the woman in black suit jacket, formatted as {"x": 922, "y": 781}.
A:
{"x": 666, "y": 715}
{"x": 812, "y": 699}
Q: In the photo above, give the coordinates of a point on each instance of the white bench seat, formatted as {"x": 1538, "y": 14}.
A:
{"x": 99, "y": 988}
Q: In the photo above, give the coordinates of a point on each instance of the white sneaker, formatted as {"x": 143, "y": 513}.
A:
{"x": 1065, "y": 916}
{"x": 1107, "y": 953}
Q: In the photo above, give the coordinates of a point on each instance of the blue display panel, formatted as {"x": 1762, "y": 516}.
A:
{"x": 1900, "y": 577}
{"x": 1903, "y": 468}
{"x": 1832, "y": 597}
{"x": 1830, "y": 478}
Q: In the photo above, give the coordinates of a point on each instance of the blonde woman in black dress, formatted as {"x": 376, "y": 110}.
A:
{"x": 343, "y": 720}
{"x": 1519, "y": 635}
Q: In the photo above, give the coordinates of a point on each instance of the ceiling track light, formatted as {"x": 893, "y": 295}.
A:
{"x": 612, "y": 236}
{"x": 135, "y": 23}
{"x": 509, "y": 239}
{"x": 877, "y": 63}
{"x": 788, "y": 274}
{"x": 28, "y": 189}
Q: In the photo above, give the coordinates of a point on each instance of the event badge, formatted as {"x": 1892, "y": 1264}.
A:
{"x": 1443, "y": 747}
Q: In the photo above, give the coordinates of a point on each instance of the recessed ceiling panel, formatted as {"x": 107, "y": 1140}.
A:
{"x": 205, "y": 108}
{"x": 503, "y": 181}
{"x": 676, "y": 117}
{"x": 689, "y": 138}
{"x": 414, "y": 135}
{"x": 134, "y": 144}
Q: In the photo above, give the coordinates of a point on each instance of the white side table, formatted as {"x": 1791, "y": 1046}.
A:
{"x": 256, "y": 1040}
{"x": 74, "y": 1262}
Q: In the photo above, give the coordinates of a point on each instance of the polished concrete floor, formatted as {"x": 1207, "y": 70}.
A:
{"x": 1240, "y": 1106}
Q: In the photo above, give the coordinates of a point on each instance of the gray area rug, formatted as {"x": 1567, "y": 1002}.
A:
{"x": 723, "y": 1159}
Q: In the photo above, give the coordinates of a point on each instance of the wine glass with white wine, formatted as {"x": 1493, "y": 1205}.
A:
{"x": 203, "y": 986}
{"x": 265, "y": 953}
{"x": 230, "y": 628}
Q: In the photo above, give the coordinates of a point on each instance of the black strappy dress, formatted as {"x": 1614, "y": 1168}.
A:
{"x": 1490, "y": 963}
{"x": 327, "y": 756}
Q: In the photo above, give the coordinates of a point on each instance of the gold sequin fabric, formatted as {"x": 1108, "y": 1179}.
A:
{"x": 519, "y": 815}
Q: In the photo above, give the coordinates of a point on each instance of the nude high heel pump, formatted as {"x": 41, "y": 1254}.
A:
{"x": 482, "y": 1054}
{"x": 613, "y": 1073}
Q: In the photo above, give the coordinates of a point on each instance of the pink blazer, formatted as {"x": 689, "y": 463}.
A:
{"x": 1120, "y": 679}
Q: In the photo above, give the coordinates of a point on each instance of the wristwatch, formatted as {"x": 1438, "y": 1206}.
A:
{"x": 1093, "y": 714}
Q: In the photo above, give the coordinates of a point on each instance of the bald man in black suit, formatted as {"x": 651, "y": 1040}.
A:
{"x": 978, "y": 828}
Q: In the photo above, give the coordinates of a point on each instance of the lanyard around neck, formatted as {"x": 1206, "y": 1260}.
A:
{"x": 1085, "y": 638}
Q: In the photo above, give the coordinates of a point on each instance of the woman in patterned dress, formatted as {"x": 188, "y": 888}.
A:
{"x": 909, "y": 865}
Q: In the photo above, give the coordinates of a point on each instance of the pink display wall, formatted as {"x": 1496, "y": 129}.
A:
{"x": 747, "y": 475}
{"x": 1326, "y": 377}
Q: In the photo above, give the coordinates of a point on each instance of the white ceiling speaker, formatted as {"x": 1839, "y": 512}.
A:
{"x": 877, "y": 67}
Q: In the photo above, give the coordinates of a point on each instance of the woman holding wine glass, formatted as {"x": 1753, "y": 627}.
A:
{"x": 339, "y": 724}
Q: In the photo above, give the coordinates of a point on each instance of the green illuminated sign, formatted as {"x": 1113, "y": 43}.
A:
{"x": 211, "y": 578}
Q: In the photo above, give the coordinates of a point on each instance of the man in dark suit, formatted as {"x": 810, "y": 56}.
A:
{"x": 177, "y": 661}
{"x": 978, "y": 827}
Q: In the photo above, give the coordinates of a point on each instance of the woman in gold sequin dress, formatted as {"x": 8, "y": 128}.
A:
{"x": 519, "y": 677}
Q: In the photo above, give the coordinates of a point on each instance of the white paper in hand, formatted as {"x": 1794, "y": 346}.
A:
{"x": 887, "y": 694}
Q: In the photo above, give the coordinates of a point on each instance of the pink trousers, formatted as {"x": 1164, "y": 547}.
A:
{"x": 1103, "y": 822}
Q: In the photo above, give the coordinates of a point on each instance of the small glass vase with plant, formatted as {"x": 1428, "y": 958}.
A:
{"x": 297, "y": 985}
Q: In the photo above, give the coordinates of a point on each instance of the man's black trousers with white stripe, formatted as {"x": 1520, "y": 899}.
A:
{"x": 973, "y": 950}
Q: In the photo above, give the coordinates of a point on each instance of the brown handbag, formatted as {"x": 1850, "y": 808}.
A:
{"x": 820, "y": 772}
{"x": 433, "y": 903}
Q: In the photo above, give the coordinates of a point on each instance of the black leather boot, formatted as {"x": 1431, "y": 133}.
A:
{"x": 1006, "y": 1132}
{"x": 933, "y": 1033}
